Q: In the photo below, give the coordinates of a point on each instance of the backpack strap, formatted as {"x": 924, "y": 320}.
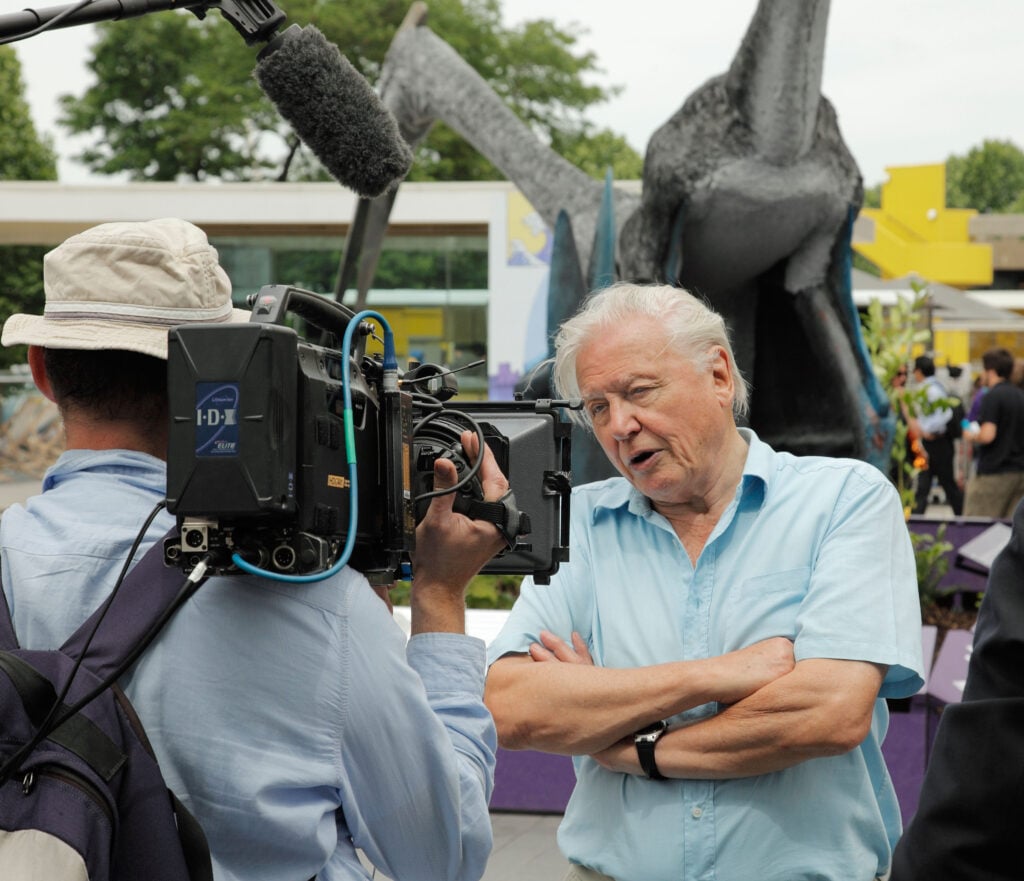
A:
{"x": 8, "y": 639}
{"x": 141, "y": 601}
{"x": 194, "y": 845}
{"x": 78, "y": 734}
{"x": 146, "y": 594}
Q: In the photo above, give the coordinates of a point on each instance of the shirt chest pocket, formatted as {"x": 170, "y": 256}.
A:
{"x": 767, "y": 605}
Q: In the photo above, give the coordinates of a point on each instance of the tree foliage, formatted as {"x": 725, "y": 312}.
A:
{"x": 175, "y": 97}
{"x": 873, "y": 196}
{"x": 990, "y": 178}
{"x": 23, "y": 156}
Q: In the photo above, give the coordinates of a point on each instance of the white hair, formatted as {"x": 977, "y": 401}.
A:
{"x": 692, "y": 327}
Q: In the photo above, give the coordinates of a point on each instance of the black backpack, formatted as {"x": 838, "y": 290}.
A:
{"x": 88, "y": 801}
{"x": 955, "y": 426}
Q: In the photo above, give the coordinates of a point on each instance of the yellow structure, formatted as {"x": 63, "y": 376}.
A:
{"x": 914, "y": 233}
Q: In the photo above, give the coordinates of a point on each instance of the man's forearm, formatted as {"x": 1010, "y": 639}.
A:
{"x": 578, "y": 709}
{"x": 823, "y": 708}
{"x": 437, "y": 608}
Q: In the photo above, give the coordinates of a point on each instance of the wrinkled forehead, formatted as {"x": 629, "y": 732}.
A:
{"x": 612, "y": 384}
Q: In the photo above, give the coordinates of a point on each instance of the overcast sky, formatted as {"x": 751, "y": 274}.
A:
{"x": 913, "y": 81}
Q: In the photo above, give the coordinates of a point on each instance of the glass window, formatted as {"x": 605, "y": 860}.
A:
{"x": 433, "y": 290}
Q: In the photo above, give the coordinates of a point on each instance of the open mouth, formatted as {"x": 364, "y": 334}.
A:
{"x": 640, "y": 458}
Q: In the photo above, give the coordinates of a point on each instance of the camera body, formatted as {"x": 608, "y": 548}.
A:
{"x": 288, "y": 454}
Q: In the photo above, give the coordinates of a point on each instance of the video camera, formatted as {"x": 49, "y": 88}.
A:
{"x": 290, "y": 459}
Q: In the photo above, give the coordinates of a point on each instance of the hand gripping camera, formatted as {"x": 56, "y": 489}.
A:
{"x": 290, "y": 459}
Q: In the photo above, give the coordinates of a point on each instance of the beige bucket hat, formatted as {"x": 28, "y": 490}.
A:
{"x": 124, "y": 285}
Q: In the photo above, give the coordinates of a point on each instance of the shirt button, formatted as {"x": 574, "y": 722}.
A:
{"x": 697, "y": 813}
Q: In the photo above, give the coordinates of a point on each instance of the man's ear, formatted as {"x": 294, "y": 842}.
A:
{"x": 721, "y": 372}
{"x": 37, "y": 364}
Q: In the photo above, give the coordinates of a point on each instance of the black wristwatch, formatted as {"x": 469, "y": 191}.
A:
{"x": 645, "y": 739}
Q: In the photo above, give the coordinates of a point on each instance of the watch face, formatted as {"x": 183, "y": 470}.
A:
{"x": 651, "y": 732}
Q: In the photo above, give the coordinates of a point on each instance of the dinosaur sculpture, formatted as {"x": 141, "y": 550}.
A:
{"x": 749, "y": 195}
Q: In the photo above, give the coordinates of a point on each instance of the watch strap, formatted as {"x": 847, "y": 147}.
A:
{"x": 646, "y": 739}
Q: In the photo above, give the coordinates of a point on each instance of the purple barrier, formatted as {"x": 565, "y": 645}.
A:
{"x": 967, "y": 573}
{"x": 532, "y": 782}
{"x": 949, "y": 674}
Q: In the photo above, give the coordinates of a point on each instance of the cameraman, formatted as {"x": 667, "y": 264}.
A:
{"x": 293, "y": 720}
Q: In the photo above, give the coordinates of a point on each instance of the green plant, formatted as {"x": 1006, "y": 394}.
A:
{"x": 891, "y": 334}
{"x": 493, "y": 591}
{"x": 484, "y": 592}
{"x": 930, "y": 553}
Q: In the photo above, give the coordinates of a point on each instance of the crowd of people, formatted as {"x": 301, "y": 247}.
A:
{"x": 975, "y": 456}
{"x": 716, "y": 656}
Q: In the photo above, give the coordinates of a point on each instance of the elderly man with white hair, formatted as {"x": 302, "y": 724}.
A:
{"x": 717, "y": 652}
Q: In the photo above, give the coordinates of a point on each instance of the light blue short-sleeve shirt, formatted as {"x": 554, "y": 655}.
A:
{"x": 813, "y": 549}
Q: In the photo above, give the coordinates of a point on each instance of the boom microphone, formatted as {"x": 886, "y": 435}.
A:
{"x": 334, "y": 110}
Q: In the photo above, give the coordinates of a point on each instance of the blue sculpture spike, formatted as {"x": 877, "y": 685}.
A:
{"x": 674, "y": 258}
{"x": 601, "y": 271}
{"x": 566, "y": 293}
{"x": 566, "y": 287}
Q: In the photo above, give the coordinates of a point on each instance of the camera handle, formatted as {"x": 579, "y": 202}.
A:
{"x": 503, "y": 513}
{"x": 272, "y": 303}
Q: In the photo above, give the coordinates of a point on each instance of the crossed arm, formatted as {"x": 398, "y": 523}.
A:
{"x": 779, "y": 713}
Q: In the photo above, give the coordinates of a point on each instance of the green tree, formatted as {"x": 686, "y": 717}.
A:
{"x": 990, "y": 178}
{"x": 175, "y": 97}
{"x": 873, "y": 196}
{"x": 23, "y": 156}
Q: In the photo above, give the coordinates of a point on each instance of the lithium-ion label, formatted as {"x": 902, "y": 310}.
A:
{"x": 216, "y": 418}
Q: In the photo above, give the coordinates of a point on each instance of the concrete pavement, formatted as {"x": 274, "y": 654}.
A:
{"x": 524, "y": 849}
{"x": 17, "y": 489}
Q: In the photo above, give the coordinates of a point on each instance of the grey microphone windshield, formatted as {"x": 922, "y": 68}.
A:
{"x": 334, "y": 110}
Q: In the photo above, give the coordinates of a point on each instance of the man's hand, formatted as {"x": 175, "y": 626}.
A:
{"x": 738, "y": 673}
{"x": 620, "y": 757}
{"x": 553, "y": 648}
{"x": 451, "y": 548}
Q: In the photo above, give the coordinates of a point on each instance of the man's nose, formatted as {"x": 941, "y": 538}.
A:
{"x": 622, "y": 420}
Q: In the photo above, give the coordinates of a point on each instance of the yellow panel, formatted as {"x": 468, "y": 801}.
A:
{"x": 411, "y": 322}
{"x": 952, "y": 347}
{"x": 916, "y": 233}
{"x": 982, "y": 341}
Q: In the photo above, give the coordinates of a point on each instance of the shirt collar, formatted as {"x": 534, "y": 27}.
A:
{"x": 138, "y": 469}
{"x": 757, "y": 471}
{"x": 760, "y": 465}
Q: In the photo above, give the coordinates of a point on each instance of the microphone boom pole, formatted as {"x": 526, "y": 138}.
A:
{"x": 255, "y": 20}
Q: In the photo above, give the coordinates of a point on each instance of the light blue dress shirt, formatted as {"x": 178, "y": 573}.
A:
{"x": 293, "y": 720}
{"x": 813, "y": 549}
{"x": 936, "y": 421}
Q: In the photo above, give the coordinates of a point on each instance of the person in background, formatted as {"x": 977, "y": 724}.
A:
{"x": 938, "y": 444}
{"x": 914, "y": 454}
{"x": 997, "y": 486}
